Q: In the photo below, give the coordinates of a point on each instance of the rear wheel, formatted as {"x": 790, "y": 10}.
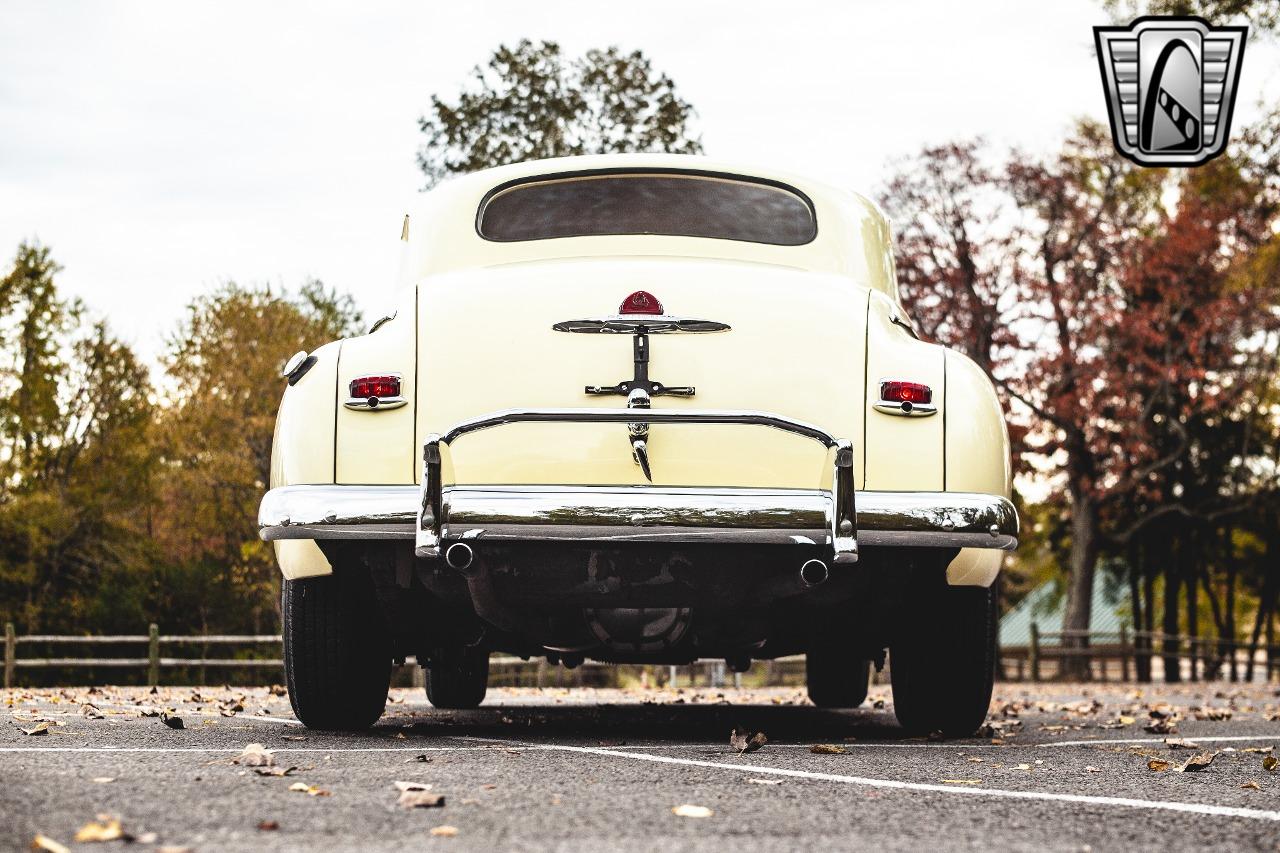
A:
{"x": 942, "y": 670}
{"x": 458, "y": 678}
{"x": 835, "y": 679}
{"x": 337, "y": 652}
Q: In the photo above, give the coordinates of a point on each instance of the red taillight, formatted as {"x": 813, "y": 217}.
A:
{"x": 380, "y": 387}
{"x": 906, "y": 392}
{"x": 640, "y": 302}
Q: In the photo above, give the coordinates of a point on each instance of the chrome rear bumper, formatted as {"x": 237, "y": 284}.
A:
{"x": 640, "y": 514}
{"x": 433, "y": 514}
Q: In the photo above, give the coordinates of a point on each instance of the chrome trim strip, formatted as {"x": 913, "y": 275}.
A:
{"x": 638, "y": 514}
{"x": 362, "y": 404}
{"x": 905, "y": 410}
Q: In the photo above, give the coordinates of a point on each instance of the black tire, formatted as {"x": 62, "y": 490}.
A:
{"x": 337, "y": 652}
{"x": 834, "y": 678}
{"x": 943, "y": 669}
{"x": 458, "y": 678}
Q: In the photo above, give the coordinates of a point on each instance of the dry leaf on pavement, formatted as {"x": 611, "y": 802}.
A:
{"x": 37, "y": 729}
{"x": 105, "y": 828}
{"x": 268, "y": 825}
{"x": 1270, "y": 762}
{"x": 420, "y": 800}
{"x": 687, "y": 810}
{"x": 739, "y": 740}
{"x": 255, "y": 755}
{"x": 828, "y": 749}
{"x": 173, "y": 721}
{"x": 309, "y": 790}
{"x": 1198, "y": 762}
{"x": 274, "y": 771}
{"x": 1180, "y": 743}
{"x": 1251, "y": 786}
{"x": 961, "y": 781}
{"x": 1158, "y": 764}
{"x": 444, "y": 831}
{"x": 44, "y": 842}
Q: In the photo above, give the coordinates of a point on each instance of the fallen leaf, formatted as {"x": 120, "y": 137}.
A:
{"x": 412, "y": 786}
{"x": 1180, "y": 743}
{"x": 268, "y": 825}
{"x": 1251, "y": 786}
{"x": 828, "y": 749}
{"x": 104, "y": 829}
{"x": 420, "y": 799}
{"x": 1126, "y": 720}
{"x": 961, "y": 781}
{"x": 1158, "y": 764}
{"x": 1197, "y": 762}
{"x": 309, "y": 790}
{"x": 44, "y": 842}
{"x": 444, "y": 831}
{"x": 1270, "y": 762}
{"x": 274, "y": 771}
{"x": 1092, "y": 769}
{"x": 1161, "y": 726}
{"x": 293, "y": 737}
{"x": 102, "y": 780}
{"x": 1022, "y": 767}
{"x": 423, "y": 759}
{"x": 255, "y": 755}
{"x": 91, "y": 712}
{"x": 173, "y": 721}
{"x": 765, "y": 781}
{"x": 36, "y": 730}
{"x": 687, "y": 810}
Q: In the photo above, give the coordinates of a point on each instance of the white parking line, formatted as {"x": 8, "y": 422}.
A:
{"x": 758, "y": 770}
{"x": 1160, "y": 741}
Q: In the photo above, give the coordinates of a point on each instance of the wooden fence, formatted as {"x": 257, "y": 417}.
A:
{"x": 1110, "y": 656}
{"x": 1126, "y": 655}
{"x": 504, "y": 671}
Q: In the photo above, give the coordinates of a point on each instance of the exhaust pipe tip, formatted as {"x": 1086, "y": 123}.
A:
{"x": 814, "y": 572}
{"x": 459, "y": 556}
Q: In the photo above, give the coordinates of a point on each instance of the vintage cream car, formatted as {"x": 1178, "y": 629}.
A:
{"x": 640, "y": 408}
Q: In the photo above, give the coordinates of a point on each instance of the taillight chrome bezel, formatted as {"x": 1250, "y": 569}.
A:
{"x": 904, "y": 409}
{"x": 375, "y": 403}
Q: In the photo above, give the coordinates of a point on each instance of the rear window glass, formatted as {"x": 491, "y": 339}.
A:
{"x": 672, "y": 204}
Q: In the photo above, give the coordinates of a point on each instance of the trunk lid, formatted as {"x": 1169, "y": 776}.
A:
{"x": 796, "y": 348}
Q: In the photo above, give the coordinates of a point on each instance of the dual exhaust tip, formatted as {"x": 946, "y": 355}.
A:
{"x": 460, "y": 557}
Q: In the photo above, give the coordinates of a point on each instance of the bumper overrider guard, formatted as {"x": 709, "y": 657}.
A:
{"x": 435, "y": 515}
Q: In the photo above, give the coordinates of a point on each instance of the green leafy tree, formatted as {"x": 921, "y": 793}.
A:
{"x": 223, "y": 367}
{"x": 76, "y": 459}
{"x": 529, "y": 102}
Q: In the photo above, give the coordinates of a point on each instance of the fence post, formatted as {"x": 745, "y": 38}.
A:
{"x": 1034, "y": 652}
{"x": 153, "y": 656}
{"x": 1125, "y": 651}
{"x": 10, "y": 653}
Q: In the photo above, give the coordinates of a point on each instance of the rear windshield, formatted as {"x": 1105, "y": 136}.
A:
{"x": 674, "y": 204}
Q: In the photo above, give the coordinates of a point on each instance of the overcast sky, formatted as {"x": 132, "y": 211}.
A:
{"x": 162, "y": 148}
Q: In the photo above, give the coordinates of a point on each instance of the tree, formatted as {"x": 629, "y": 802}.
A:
{"x": 1119, "y": 325}
{"x": 223, "y": 367}
{"x": 1261, "y": 15}
{"x": 75, "y": 455}
{"x": 528, "y": 102}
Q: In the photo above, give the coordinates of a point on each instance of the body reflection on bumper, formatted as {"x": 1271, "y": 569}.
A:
{"x": 640, "y": 514}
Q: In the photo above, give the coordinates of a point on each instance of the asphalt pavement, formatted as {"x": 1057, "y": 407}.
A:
{"x": 1062, "y": 767}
